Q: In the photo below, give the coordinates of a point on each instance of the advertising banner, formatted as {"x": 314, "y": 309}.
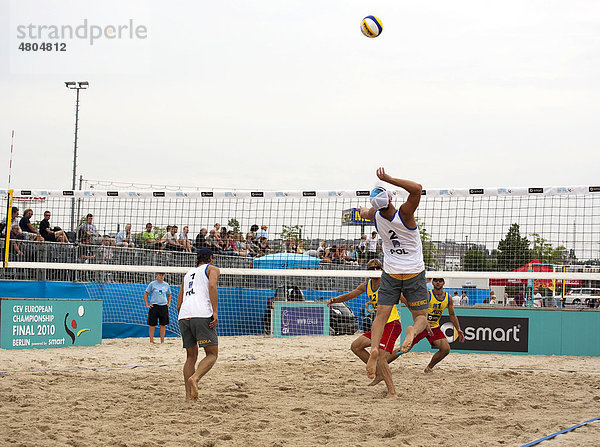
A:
{"x": 305, "y": 318}
{"x": 488, "y": 333}
{"x": 352, "y": 217}
{"x": 49, "y": 323}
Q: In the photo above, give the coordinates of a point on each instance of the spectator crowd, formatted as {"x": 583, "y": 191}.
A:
{"x": 219, "y": 239}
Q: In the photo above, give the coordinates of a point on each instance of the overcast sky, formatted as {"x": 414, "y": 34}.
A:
{"x": 290, "y": 95}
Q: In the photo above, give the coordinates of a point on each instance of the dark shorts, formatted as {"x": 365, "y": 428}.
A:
{"x": 391, "y": 332}
{"x": 196, "y": 331}
{"x": 414, "y": 290}
{"x": 437, "y": 335}
{"x": 158, "y": 314}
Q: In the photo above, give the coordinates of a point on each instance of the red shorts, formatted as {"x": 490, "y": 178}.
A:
{"x": 391, "y": 332}
{"x": 437, "y": 335}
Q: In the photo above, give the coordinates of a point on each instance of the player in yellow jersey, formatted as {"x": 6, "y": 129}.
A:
{"x": 391, "y": 330}
{"x": 438, "y": 301}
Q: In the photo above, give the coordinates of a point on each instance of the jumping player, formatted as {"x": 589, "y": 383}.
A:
{"x": 404, "y": 269}
{"x": 391, "y": 330}
{"x": 438, "y": 301}
{"x": 197, "y": 304}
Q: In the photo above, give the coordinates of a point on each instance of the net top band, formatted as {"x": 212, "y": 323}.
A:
{"x": 304, "y": 194}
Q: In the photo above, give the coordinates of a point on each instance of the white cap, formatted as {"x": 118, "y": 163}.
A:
{"x": 379, "y": 198}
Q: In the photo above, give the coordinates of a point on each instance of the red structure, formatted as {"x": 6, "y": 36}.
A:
{"x": 534, "y": 266}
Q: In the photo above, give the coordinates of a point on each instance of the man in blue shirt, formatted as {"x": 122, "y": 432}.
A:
{"x": 158, "y": 305}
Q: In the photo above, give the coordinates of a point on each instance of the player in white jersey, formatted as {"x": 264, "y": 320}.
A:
{"x": 403, "y": 267}
{"x": 197, "y": 304}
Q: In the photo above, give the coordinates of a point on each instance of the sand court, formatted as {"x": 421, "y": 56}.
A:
{"x": 301, "y": 391}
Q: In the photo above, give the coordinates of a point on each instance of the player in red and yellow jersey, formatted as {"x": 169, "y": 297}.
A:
{"x": 391, "y": 330}
{"x": 438, "y": 302}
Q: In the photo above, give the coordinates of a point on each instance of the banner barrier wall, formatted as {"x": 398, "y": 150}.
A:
{"x": 490, "y": 329}
{"x": 307, "y": 318}
{"x": 124, "y": 313}
{"x": 519, "y": 331}
{"x": 49, "y": 323}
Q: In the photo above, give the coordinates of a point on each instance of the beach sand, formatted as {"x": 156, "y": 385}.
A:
{"x": 303, "y": 391}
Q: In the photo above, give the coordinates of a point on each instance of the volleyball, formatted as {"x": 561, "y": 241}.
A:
{"x": 371, "y": 26}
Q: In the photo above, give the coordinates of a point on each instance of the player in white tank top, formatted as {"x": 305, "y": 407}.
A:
{"x": 197, "y": 304}
{"x": 402, "y": 248}
{"x": 196, "y": 300}
{"x": 404, "y": 264}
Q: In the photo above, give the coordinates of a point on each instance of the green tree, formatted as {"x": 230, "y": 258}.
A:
{"x": 234, "y": 225}
{"x": 545, "y": 252}
{"x": 513, "y": 250}
{"x": 292, "y": 232}
{"x": 475, "y": 261}
{"x": 429, "y": 248}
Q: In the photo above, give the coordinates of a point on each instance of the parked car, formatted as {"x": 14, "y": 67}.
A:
{"x": 342, "y": 320}
{"x": 582, "y": 295}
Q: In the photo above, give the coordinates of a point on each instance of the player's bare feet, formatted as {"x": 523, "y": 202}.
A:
{"x": 407, "y": 343}
{"x": 153, "y": 342}
{"x": 391, "y": 396}
{"x": 376, "y": 380}
{"x": 428, "y": 369}
{"x": 193, "y": 388}
{"x": 372, "y": 363}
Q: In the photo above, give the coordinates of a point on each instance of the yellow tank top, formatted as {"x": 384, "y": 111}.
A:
{"x": 436, "y": 308}
{"x": 372, "y": 294}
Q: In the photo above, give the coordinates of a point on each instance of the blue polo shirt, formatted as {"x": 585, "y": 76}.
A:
{"x": 158, "y": 292}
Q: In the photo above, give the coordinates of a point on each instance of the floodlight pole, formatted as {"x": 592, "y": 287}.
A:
{"x": 75, "y": 143}
{"x": 72, "y": 85}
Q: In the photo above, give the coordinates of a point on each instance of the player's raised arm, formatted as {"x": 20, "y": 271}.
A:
{"x": 414, "y": 191}
{"x": 366, "y": 213}
{"x": 362, "y": 288}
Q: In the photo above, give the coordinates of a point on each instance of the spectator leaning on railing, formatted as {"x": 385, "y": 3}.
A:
{"x": 262, "y": 232}
{"x": 212, "y": 241}
{"x": 28, "y": 229}
{"x": 263, "y": 247}
{"x": 201, "y": 238}
{"x": 250, "y": 244}
{"x": 17, "y": 246}
{"x": 51, "y": 235}
{"x": 88, "y": 230}
{"x": 124, "y": 238}
{"x": 84, "y": 251}
{"x": 184, "y": 239}
{"x": 149, "y": 238}
{"x": 14, "y": 221}
{"x": 172, "y": 242}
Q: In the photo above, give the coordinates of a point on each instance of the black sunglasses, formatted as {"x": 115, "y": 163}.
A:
{"x": 437, "y": 280}
{"x": 373, "y": 268}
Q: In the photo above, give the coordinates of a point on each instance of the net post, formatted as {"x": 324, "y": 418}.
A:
{"x": 8, "y": 227}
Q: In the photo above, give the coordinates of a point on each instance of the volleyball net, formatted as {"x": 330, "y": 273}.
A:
{"x": 270, "y": 242}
